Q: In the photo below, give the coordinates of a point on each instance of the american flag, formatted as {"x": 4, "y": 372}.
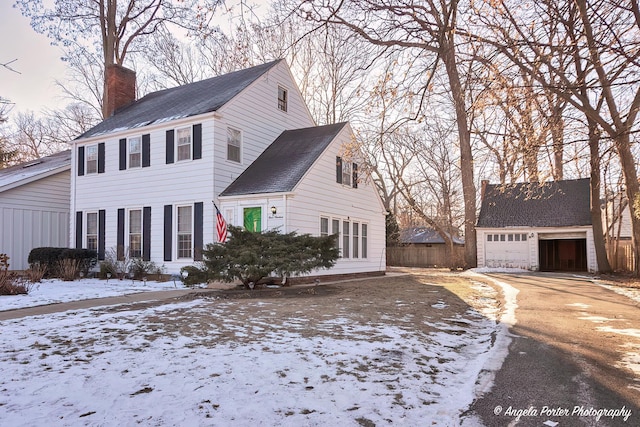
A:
{"x": 221, "y": 227}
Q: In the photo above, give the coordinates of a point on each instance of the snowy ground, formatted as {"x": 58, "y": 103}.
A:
{"x": 51, "y": 291}
{"x": 243, "y": 362}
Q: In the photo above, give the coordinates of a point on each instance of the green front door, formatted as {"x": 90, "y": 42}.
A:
{"x": 253, "y": 219}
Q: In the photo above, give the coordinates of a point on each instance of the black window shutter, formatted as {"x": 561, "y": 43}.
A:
{"x": 168, "y": 210}
{"x": 198, "y": 230}
{"x": 197, "y": 141}
{"x": 146, "y": 150}
{"x": 101, "y": 157}
{"x": 123, "y": 154}
{"x": 120, "y": 237}
{"x": 79, "y": 230}
{"x": 339, "y": 170}
{"x": 146, "y": 233}
{"x": 170, "y": 149}
{"x": 355, "y": 175}
{"x": 80, "y": 161}
{"x": 101, "y": 234}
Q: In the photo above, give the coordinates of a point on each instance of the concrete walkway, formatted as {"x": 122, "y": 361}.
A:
{"x": 95, "y": 302}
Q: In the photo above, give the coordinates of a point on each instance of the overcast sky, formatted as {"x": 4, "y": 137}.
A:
{"x": 37, "y": 61}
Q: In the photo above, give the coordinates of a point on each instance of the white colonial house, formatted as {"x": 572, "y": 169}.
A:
{"x": 145, "y": 180}
{"x": 537, "y": 226}
{"x": 34, "y": 207}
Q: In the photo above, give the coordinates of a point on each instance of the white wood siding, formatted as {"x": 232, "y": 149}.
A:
{"x": 34, "y": 215}
{"x": 318, "y": 194}
{"x": 254, "y": 112}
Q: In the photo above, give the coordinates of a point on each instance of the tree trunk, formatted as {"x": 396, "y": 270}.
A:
{"x": 596, "y": 212}
{"x": 632, "y": 190}
{"x": 466, "y": 155}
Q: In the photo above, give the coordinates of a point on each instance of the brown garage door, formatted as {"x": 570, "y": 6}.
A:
{"x": 563, "y": 255}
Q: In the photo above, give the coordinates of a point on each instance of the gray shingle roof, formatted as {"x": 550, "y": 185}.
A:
{"x": 35, "y": 169}
{"x": 281, "y": 166}
{"x": 424, "y": 235}
{"x": 183, "y": 101}
{"x": 549, "y": 204}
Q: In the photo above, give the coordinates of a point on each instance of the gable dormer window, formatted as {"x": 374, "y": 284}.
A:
{"x": 184, "y": 143}
{"x": 282, "y": 99}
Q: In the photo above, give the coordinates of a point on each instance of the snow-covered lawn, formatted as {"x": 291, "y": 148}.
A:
{"x": 51, "y": 291}
{"x": 220, "y": 362}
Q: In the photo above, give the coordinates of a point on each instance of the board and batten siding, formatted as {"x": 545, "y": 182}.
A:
{"x": 34, "y": 215}
{"x": 183, "y": 183}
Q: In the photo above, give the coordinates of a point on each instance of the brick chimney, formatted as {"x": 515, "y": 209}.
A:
{"x": 483, "y": 188}
{"x": 120, "y": 88}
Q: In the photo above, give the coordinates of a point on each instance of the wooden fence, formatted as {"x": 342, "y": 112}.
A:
{"x": 422, "y": 256}
{"x": 623, "y": 260}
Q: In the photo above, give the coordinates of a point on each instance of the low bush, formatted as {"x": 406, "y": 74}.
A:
{"x": 141, "y": 269}
{"x": 10, "y": 284}
{"x": 69, "y": 269}
{"x": 86, "y": 258}
{"x": 195, "y": 275}
{"x": 48, "y": 258}
{"x": 36, "y": 271}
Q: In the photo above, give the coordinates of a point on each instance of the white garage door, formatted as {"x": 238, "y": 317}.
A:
{"x": 507, "y": 250}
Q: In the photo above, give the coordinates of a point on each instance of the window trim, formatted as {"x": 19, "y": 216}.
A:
{"x": 97, "y": 230}
{"x": 239, "y": 146}
{"x": 130, "y": 152}
{"x": 178, "y": 145}
{"x": 89, "y": 148}
{"x": 178, "y": 233}
{"x": 140, "y": 233}
{"x": 283, "y": 103}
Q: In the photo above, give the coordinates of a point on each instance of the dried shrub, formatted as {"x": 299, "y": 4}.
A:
{"x": 68, "y": 269}
{"x": 10, "y": 284}
{"x": 36, "y": 272}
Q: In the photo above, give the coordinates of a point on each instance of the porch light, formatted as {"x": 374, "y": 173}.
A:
{"x": 274, "y": 210}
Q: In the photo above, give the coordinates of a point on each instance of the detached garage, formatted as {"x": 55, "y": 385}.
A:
{"x": 536, "y": 226}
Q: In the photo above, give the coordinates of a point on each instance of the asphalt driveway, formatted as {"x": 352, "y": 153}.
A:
{"x": 569, "y": 360}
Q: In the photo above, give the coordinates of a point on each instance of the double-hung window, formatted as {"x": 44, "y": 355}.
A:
{"x": 364, "y": 240}
{"x": 92, "y": 159}
{"x": 234, "y": 145}
{"x": 135, "y": 152}
{"x": 346, "y": 235}
{"x": 356, "y": 239}
{"x": 185, "y": 232}
{"x": 324, "y": 226}
{"x": 184, "y": 143}
{"x": 346, "y": 172}
{"x": 92, "y": 231}
{"x": 135, "y": 233}
{"x": 282, "y": 99}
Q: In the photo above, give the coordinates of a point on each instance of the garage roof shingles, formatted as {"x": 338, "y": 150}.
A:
{"x": 549, "y": 204}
